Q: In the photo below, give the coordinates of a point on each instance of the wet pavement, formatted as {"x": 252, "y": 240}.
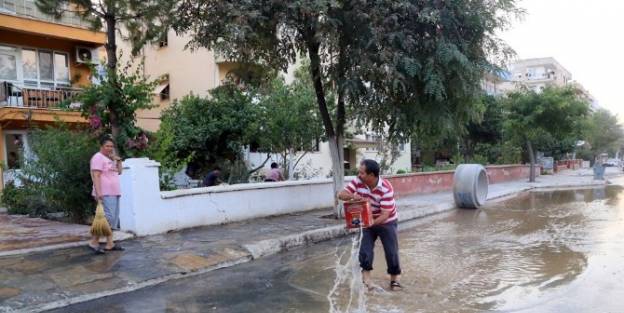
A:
{"x": 560, "y": 251}
{"x": 20, "y": 233}
{"x": 33, "y": 281}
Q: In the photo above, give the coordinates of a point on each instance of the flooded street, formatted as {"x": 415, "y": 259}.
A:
{"x": 560, "y": 251}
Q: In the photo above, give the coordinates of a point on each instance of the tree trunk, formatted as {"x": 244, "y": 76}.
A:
{"x": 532, "y": 158}
{"x": 111, "y": 42}
{"x": 335, "y": 136}
{"x": 111, "y": 63}
{"x": 291, "y": 162}
{"x": 299, "y": 159}
{"x": 336, "y": 149}
{"x": 261, "y": 165}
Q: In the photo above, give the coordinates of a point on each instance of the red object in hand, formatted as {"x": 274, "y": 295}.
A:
{"x": 358, "y": 213}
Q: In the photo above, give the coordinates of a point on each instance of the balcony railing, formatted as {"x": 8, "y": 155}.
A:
{"x": 26, "y": 97}
{"x": 27, "y": 8}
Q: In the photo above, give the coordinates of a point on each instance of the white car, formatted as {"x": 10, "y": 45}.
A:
{"x": 613, "y": 162}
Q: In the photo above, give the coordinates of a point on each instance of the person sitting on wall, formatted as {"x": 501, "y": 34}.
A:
{"x": 380, "y": 195}
{"x": 213, "y": 178}
{"x": 275, "y": 174}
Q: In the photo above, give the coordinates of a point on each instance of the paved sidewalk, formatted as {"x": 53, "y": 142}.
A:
{"x": 22, "y": 234}
{"x": 53, "y": 279}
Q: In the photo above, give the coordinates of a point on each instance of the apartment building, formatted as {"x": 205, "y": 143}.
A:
{"x": 43, "y": 62}
{"x": 198, "y": 71}
{"x": 538, "y": 73}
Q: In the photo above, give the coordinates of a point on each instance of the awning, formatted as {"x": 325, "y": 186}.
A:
{"x": 161, "y": 87}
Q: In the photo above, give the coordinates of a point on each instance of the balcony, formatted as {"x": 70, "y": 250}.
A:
{"x": 36, "y": 98}
{"x": 28, "y": 9}
{"x": 20, "y": 21}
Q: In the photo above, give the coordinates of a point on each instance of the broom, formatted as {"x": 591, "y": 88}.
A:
{"x": 100, "y": 227}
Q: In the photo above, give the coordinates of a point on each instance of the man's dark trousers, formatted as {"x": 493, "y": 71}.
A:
{"x": 390, "y": 241}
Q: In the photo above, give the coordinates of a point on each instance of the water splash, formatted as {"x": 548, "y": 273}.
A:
{"x": 348, "y": 274}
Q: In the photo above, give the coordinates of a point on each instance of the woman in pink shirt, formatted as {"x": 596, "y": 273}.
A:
{"x": 105, "y": 171}
{"x": 275, "y": 174}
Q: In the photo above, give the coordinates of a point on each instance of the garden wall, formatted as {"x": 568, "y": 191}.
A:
{"x": 146, "y": 210}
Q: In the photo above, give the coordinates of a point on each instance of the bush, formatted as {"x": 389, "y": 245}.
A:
{"x": 24, "y": 200}
{"x": 351, "y": 172}
{"x": 479, "y": 159}
{"x": 401, "y": 171}
{"x": 58, "y": 178}
{"x": 585, "y": 154}
{"x": 457, "y": 159}
{"x": 207, "y": 131}
{"x": 485, "y": 153}
{"x": 510, "y": 154}
{"x": 13, "y": 198}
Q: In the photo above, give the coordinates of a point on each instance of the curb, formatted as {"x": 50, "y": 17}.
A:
{"x": 148, "y": 283}
{"x": 121, "y": 237}
{"x": 276, "y": 245}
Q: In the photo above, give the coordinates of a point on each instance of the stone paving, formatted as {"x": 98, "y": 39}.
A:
{"x": 20, "y": 234}
{"x": 52, "y": 279}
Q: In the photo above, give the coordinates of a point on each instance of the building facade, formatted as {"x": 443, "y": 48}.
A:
{"x": 539, "y": 73}
{"x": 536, "y": 74}
{"x": 43, "y": 61}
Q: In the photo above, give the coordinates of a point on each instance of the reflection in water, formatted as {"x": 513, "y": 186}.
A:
{"x": 502, "y": 255}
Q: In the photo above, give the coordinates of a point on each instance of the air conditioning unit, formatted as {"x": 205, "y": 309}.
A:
{"x": 86, "y": 55}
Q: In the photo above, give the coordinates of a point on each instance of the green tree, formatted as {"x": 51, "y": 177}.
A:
{"x": 208, "y": 131}
{"x": 143, "y": 20}
{"x": 484, "y": 136}
{"x": 290, "y": 125}
{"x": 393, "y": 65}
{"x": 127, "y": 91}
{"x": 603, "y": 132}
{"x": 542, "y": 120}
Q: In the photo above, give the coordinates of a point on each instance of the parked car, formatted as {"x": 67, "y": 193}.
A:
{"x": 613, "y": 162}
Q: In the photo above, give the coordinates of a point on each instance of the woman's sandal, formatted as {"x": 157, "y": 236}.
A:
{"x": 115, "y": 248}
{"x": 96, "y": 250}
{"x": 395, "y": 285}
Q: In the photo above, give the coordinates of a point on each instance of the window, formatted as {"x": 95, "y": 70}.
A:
{"x": 29, "y": 66}
{"x": 163, "y": 88}
{"x": 34, "y": 67}
{"x": 373, "y": 138}
{"x": 164, "y": 40}
{"x": 61, "y": 68}
{"x": 164, "y": 94}
{"x": 46, "y": 69}
{"x": 14, "y": 147}
{"x": 8, "y": 63}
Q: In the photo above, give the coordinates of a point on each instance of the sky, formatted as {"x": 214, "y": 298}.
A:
{"x": 584, "y": 36}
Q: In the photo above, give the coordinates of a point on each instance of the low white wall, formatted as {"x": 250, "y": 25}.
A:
{"x": 146, "y": 210}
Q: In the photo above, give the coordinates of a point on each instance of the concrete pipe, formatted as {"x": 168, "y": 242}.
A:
{"x": 470, "y": 186}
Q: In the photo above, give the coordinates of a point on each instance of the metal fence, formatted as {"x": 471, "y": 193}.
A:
{"x": 15, "y": 96}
